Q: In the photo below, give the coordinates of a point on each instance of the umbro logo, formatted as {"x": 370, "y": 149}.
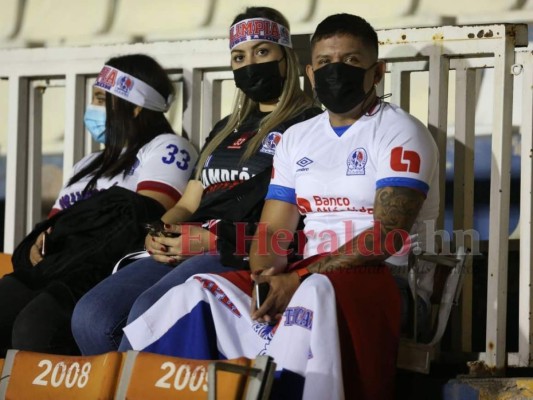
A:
{"x": 304, "y": 162}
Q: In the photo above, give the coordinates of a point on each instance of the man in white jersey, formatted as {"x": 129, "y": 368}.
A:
{"x": 364, "y": 173}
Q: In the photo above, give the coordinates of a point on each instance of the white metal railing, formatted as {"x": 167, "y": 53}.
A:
{"x": 203, "y": 64}
{"x": 466, "y": 49}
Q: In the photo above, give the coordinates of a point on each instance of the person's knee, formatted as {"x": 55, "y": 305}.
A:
{"x": 44, "y": 325}
{"x": 87, "y": 318}
{"x": 23, "y": 333}
{"x": 143, "y": 303}
{"x": 30, "y": 332}
{"x": 97, "y": 327}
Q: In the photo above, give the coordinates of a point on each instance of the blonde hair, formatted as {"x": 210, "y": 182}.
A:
{"x": 291, "y": 103}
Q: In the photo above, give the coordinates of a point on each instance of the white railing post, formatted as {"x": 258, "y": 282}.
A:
{"x": 439, "y": 67}
{"x": 499, "y": 204}
{"x": 525, "y": 301}
{"x": 463, "y": 185}
{"x": 16, "y": 164}
{"x": 400, "y": 86}
{"x": 74, "y": 129}
{"x": 35, "y": 152}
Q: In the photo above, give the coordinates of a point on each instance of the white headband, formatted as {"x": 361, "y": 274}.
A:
{"x": 255, "y": 29}
{"x": 129, "y": 88}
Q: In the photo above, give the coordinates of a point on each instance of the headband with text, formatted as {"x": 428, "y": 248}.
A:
{"x": 131, "y": 89}
{"x": 255, "y": 29}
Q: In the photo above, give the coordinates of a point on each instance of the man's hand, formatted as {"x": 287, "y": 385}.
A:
{"x": 282, "y": 288}
{"x": 192, "y": 240}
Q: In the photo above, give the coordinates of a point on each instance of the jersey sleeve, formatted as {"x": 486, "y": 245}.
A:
{"x": 166, "y": 165}
{"x": 282, "y": 181}
{"x": 75, "y": 169}
{"x": 408, "y": 157}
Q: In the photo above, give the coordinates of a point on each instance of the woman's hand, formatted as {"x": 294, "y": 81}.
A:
{"x": 282, "y": 288}
{"x": 192, "y": 240}
{"x": 36, "y": 250}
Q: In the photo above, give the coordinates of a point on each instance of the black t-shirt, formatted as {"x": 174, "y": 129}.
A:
{"x": 230, "y": 194}
{"x": 224, "y": 168}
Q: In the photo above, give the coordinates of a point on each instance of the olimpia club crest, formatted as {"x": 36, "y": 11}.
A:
{"x": 124, "y": 85}
{"x": 270, "y": 142}
{"x": 356, "y": 162}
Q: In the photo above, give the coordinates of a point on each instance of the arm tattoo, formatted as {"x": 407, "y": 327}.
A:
{"x": 332, "y": 263}
{"x": 395, "y": 208}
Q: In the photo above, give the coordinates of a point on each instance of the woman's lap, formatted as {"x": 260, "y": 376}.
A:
{"x": 205, "y": 263}
{"x": 100, "y": 314}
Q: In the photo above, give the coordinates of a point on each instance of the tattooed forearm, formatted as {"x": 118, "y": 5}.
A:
{"x": 395, "y": 210}
{"x": 397, "y": 207}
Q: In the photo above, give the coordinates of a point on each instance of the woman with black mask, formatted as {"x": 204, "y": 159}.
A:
{"x": 225, "y": 197}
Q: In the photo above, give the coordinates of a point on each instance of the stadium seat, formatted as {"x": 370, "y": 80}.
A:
{"x": 297, "y": 12}
{"x": 29, "y": 375}
{"x": 5, "y": 264}
{"x": 389, "y": 14}
{"x": 512, "y": 12}
{"x": 57, "y": 22}
{"x": 10, "y": 19}
{"x": 456, "y": 7}
{"x": 467, "y": 12}
{"x": 154, "y": 376}
{"x": 137, "y": 20}
{"x": 259, "y": 383}
{"x": 415, "y": 355}
{"x": 225, "y": 11}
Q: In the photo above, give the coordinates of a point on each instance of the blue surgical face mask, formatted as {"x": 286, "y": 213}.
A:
{"x": 94, "y": 120}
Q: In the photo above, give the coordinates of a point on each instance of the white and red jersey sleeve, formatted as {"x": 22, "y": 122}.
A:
{"x": 165, "y": 165}
{"x": 407, "y": 154}
{"x": 162, "y": 165}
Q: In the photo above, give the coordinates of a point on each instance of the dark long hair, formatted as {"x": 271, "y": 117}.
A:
{"x": 126, "y": 134}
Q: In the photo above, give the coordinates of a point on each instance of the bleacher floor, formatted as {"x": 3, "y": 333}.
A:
{"x": 415, "y": 386}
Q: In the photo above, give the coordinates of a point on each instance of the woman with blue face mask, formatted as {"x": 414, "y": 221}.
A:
{"x": 100, "y": 213}
{"x": 94, "y": 117}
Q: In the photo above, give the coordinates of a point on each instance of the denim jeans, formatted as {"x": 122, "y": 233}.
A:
{"x": 101, "y": 314}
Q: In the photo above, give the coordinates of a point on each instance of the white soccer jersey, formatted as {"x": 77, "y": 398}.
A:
{"x": 163, "y": 165}
{"x": 333, "y": 180}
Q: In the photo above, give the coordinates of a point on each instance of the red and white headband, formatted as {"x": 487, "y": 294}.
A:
{"x": 131, "y": 89}
{"x": 259, "y": 29}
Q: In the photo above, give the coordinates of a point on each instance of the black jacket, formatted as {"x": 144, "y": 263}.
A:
{"x": 86, "y": 241}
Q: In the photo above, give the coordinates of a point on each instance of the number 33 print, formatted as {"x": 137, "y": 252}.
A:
{"x": 176, "y": 156}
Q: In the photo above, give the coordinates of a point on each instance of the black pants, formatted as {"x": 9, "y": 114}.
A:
{"x": 34, "y": 320}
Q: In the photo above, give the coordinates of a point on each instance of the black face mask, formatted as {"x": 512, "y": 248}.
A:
{"x": 339, "y": 86}
{"x": 261, "y": 82}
